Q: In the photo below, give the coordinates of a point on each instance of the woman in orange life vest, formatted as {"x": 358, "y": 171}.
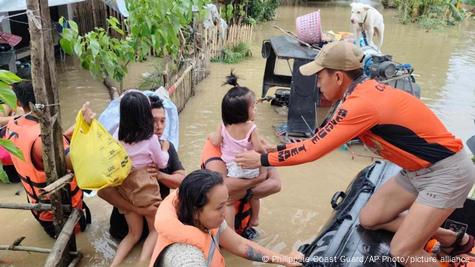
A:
{"x": 25, "y": 132}
{"x": 437, "y": 174}
{"x": 191, "y": 227}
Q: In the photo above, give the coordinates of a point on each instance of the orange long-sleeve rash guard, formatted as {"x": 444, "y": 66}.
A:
{"x": 391, "y": 122}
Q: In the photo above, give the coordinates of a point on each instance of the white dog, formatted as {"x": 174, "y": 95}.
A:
{"x": 367, "y": 19}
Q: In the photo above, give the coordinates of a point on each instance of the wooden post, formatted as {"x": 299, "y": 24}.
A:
{"x": 76, "y": 260}
{"x": 29, "y": 206}
{"x": 61, "y": 245}
{"x": 238, "y": 34}
{"x": 31, "y": 249}
{"x": 94, "y": 14}
{"x": 44, "y": 84}
{"x": 165, "y": 75}
{"x": 248, "y": 28}
{"x": 57, "y": 185}
{"x": 23, "y": 248}
{"x": 122, "y": 23}
{"x": 46, "y": 94}
{"x": 233, "y": 35}
{"x": 252, "y": 28}
{"x": 194, "y": 24}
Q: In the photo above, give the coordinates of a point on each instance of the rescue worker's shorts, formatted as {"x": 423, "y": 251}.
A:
{"x": 445, "y": 184}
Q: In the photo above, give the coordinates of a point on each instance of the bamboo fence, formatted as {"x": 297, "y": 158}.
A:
{"x": 235, "y": 34}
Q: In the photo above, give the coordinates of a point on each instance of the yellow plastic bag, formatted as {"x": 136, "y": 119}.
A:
{"x": 98, "y": 159}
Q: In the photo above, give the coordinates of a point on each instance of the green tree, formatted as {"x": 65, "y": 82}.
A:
{"x": 104, "y": 56}
{"x": 152, "y": 25}
{"x": 430, "y": 13}
{"x": 249, "y": 11}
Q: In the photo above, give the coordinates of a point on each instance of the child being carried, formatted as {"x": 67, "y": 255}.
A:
{"x": 236, "y": 134}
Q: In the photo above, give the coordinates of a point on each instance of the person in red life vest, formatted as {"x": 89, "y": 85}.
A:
{"x": 192, "y": 230}
{"x": 24, "y": 132}
{"x": 436, "y": 175}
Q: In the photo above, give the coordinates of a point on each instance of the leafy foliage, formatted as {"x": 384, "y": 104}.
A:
{"x": 469, "y": 2}
{"x": 249, "y": 11}
{"x": 262, "y": 10}
{"x": 101, "y": 54}
{"x": 431, "y": 13}
{"x": 155, "y": 78}
{"x": 156, "y": 24}
{"x": 152, "y": 25}
{"x": 234, "y": 55}
{"x": 8, "y": 97}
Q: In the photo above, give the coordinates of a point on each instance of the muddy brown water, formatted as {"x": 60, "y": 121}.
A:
{"x": 444, "y": 62}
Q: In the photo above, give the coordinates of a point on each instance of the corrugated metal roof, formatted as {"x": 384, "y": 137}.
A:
{"x": 18, "y": 5}
{"x": 119, "y": 6}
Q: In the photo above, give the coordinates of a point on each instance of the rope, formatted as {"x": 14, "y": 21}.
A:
{"x": 42, "y": 106}
{"x": 24, "y": 115}
{"x": 38, "y": 106}
{"x": 36, "y": 19}
{"x": 30, "y": 14}
{"x": 14, "y": 15}
{"x": 17, "y": 21}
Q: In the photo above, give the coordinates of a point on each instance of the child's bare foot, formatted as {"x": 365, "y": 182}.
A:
{"x": 254, "y": 221}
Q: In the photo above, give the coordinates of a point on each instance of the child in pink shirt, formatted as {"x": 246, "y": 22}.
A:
{"x": 238, "y": 133}
{"x": 136, "y": 133}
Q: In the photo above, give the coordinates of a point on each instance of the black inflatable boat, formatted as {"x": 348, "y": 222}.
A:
{"x": 343, "y": 242}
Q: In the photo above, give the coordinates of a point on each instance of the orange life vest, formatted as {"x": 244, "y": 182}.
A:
{"x": 23, "y": 132}
{"x": 170, "y": 230}
{"x": 242, "y": 219}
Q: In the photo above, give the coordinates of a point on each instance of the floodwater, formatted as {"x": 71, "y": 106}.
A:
{"x": 445, "y": 65}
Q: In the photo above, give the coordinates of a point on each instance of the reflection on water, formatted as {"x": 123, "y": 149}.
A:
{"x": 455, "y": 102}
{"x": 444, "y": 62}
{"x": 76, "y": 87}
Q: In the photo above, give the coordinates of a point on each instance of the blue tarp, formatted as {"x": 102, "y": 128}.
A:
{"x": 110, "y": 117}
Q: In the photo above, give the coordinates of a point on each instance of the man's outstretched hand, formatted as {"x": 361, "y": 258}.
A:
{"x": 249, "y": 159}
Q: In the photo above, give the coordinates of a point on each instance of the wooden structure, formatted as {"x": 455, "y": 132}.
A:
{"x": 64, "y": 252}
{"x": 182, "y": 89}
{"x": 216, "y": 40}
{"x": 16, "y": 23}
{"x": 94, "y": 13}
